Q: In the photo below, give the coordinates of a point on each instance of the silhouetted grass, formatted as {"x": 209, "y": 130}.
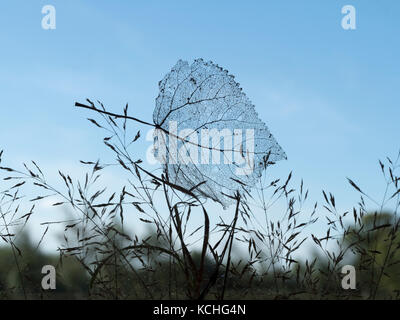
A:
{"x": 101, "y": 259}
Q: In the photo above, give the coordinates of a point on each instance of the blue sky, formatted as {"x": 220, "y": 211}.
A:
{"x": 329, "y": 96}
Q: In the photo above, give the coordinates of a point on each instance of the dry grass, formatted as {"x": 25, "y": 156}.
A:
{"x": 176, "y": 261}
